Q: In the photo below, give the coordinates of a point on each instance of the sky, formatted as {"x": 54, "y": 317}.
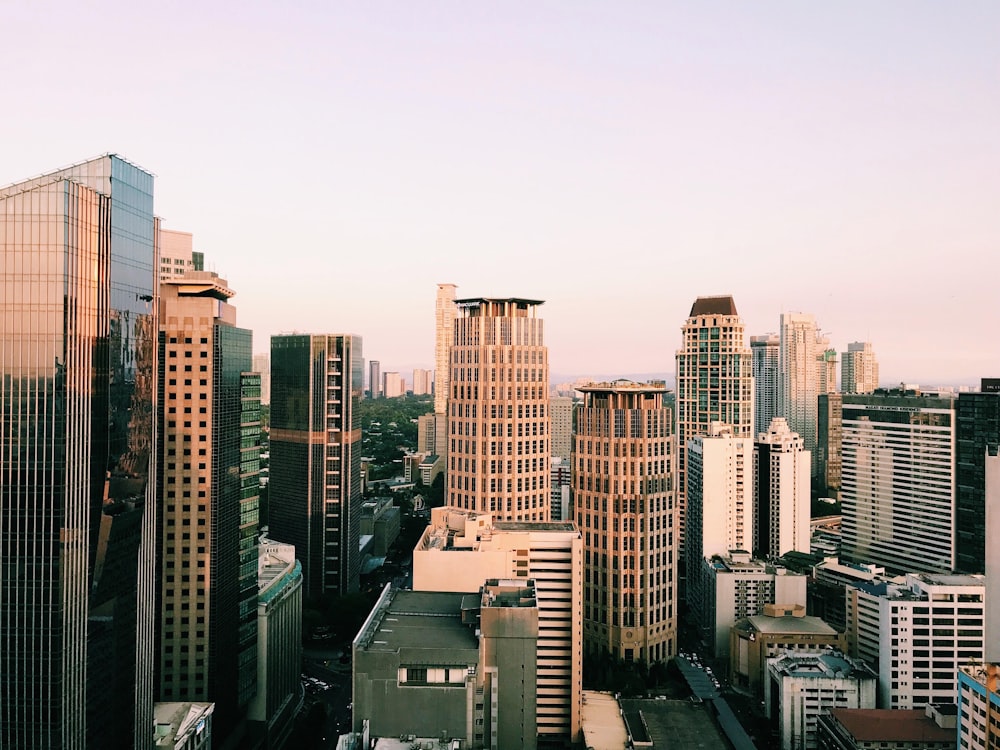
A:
{"x": 336, "y": 160}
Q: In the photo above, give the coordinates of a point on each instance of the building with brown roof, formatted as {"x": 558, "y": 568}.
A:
{"x": 929, "y": 728}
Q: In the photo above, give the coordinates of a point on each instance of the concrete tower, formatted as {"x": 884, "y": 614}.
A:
{"x": 781, "y": 492}
{"x": 859, "y": 368}
{"x": 623, "y": 494}
{"x": 764, "y": 351}
{"x": 498, "y": 410}
{"x": 799, "y": 368}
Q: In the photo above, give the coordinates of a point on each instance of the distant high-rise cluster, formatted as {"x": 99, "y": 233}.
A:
{"x": 859, "y": 368}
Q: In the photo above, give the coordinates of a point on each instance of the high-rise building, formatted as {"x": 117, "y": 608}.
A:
{"x": 799, "y": 369}
{"x": 826, "y": 366}
{"x": 421, "y": 382}
{"x": 78, "y": 374}
{"x": 393, "y": 385}
{"x": 208, "y": 468}
{"x": 897, "y": 483}
{"x": 498, "y": 411}
{"x": 764, "y": 355}
{"x": 714, "y": 383}
{"x": 315, "y": 487}
{"x": 561, "y": 409}
{"x": 829, "y": 436}
{"x": 445, "y": 313}
{"x": 977, "y": 434}
{"x": 374, "y": 379}
{"x": 175, "y": 254}
{"x": 858, "y": 368}
{"x": 781, "y": 493}
{"x": 461, "y": 549}
{"x": 262, "y": 365}
{"x": 623, "y": 498}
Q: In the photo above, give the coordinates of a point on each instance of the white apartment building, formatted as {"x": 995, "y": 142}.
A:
{"x": 898, "y": 481}
{"x": 781, "y": 492}
{"x": 858, "y": 368}
{"x": 461, "y": 549}
{"x": 802, "y": 687}
{"x": 916, "y": 635}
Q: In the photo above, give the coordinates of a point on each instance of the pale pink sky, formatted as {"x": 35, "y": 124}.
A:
{"x": 336, "y": 160}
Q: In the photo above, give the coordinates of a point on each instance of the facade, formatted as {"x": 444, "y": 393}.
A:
{"x": 859, "y": 368}
{"x": 829, "y": 584}
{"x": 917, "y": 634}
{"x": 714, "y": 383}
{"x": 897, "y": 482}
{"x": 183, "y": 725}
{"x": 930, "y": 728}
{"x": 826, "y": 361}
{"x": 977, "y": 433}
{"x": 262, "y": 365}
{"x": 623, "y": 498}
{"x": 461, "y": 549}
{"x": 720, "y": 503}
{"x": 208, "y": 465}
{"x": 421, "y": 382}
{"x": 781, "y": 493}
{"x": 375, "y": 379}
{"x": 393, "y": 385}
{"x": 829, "y": 440}
{"x": 562, "y": 477}
{"x": 445, "y": 313}
{"x": 978, "y": 707}
{"x": 799, "y": 372}
{"x": 380, "y": 520}
{"x": 279, "y": 644}
{"x": 801, "y": 688}
{"x": 755, "y": 640}
{"x": 561, "y": 409}
{"x": 764, "y": 355}
{"x": 78, "y": 374}
{"x": 499, "y": 401}
{"x": 737, "y": 586}
{"x": 315, "y": 487}
{"x": 175, "y": 254}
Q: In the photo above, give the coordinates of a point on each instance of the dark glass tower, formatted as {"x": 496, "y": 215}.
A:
{"x": 77, "y": 518}
{"x": 315, "y": 487}
{"x": 977, "y": 430}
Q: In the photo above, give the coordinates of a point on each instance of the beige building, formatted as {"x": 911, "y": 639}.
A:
{"x": 461, "y": 549}
{"x": 421, "y": 382}
{"x": 393, "y": 385}
{"x": 714, "y": 382}
{"x": 561, "y": 409}
{"x": 498, "y": 411}
{"x": 799, "y": 360}
{"x": 859, "y": 368}
{"x": 176, "y": 254}
{"x": 623, "y": 499}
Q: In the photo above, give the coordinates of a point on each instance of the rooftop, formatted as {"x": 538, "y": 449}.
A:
{"x": 602, "y": 722}
{"x": 829, "y": 664}
{"x": 884, "y": 725}
{"x": 786, "y": 624}
{"x": 630, "y": 386}
{"x": 416, "y": 619}
{"x": 720, "y": 305}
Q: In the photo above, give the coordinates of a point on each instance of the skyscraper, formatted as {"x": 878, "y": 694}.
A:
{"x": 829, "y": 437}
{"x": 714, "y": 381}
{"x": 781, "y": 492}
{"x": 315, "y": 488}
{"x": 858, "y": 368}
{"x": 561, "y": 411}
{"x": 78, "y": 261}
{"x": 977, "y": 435}
{"x": 262, "y": 365}
{"x": 623, "y": 496}
{"x": 498, "y": 411}
{"x": 374, "y": 379}
{"x": 799, "y": 369}
{"x": 209, "y": 459}
{"x": 764, "y": 352}
{"x": 826, "y": 364}
{"x": 445, "y": 313}
{"x": 421, "y": 382}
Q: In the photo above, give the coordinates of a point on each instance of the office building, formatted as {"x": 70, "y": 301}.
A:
{"x": 737, "y": 586}
{"x": 753, "y": 641}
{"x": 315, "y": 487}
{"x": 498, "y": 411}
{"x": 445, "y": 312}
{"x": 897, "y": 481}
{"x": 208, "y": 470}
{"x": 421, "y": 382}
{"x": 78, "y": 375}
{"x": 801, "y": 688}
{"x": 977, "y": 433}
{"x": 929, "y": 728}
{"x": 562, "y": 477}
{"x": 720, "y": 502}
{"x": 175, "y": 254}
{"x": 799, "y": 371}
{"x": 830, "y": 581}
{"x": 826, "y": 362}
{"x": 561, "y": 409}
{"x": 262, "y": 366}
{"x": 272, "y": 712}
{"x": 183, "y": 725}
{"x": 916, "y": 634}
{"x": 393, "y": 385}
{"x": 781, "y": 492}
{"x": 714, "y": 383}
{"x": 623, "y": 498}
{"x": 859, "y": 368}
{"x": 374, "y": 379}
{"x": 764, "y": 356}
{"x": 829, "y": 438}
{"x": 461, "y": 549}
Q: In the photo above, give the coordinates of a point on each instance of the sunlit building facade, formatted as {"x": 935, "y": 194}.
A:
{"x": 764, "y": 354}
{"x": 78, "y": 290}
{"x": 800, "y": 366}
{"x": 858, "y": 368}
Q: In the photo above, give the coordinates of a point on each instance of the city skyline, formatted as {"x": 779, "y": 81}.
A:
{"x": 830, "y": 160}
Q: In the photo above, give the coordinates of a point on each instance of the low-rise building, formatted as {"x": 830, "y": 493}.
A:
{"x": 930, "y": 728}
{"x": 183, "y": 726}
{"x": 380, "y": 520}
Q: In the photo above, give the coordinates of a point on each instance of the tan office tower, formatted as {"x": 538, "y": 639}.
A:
{"x": 561, "y": 419}
{"x": 444, "y": 332}
{"x": 714, "y": 382}
{"x": 799, "y": 376}
{"x": 498, "y": 410}
{"x": 859, "y": 368}
{"x": 623, "y": 497}
{"x": 210, "y": 454}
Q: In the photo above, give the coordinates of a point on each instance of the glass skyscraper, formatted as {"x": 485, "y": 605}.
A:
{"x": 78, "y": 275}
